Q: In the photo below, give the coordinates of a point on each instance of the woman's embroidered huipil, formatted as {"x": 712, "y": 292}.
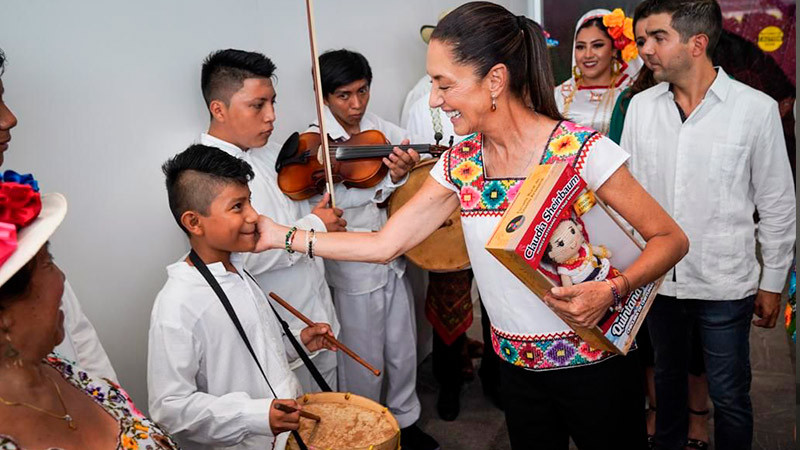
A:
{"x": 525, "y": 332}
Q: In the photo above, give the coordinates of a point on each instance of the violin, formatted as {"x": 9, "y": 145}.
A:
{"x": 356, "y": 162}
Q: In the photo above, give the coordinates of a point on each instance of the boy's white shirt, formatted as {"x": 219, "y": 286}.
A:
{"x": 357, "y": 277}
{"x": 204, "y": 387}
{"x": 295, "y": 277}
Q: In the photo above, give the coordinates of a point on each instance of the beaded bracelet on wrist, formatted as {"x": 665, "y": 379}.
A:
{"x": 287, "y": 243}
{"x": 312, "y": 238}
{"x": 615, "y": 293}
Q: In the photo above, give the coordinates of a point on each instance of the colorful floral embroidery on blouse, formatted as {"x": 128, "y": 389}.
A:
{"x": 479, "y": 196}
{"x": 482, "y": 196}
{"x": 544, "y": 352}
{"x": 137, "y": 432}
{"x": 570, "y": 143}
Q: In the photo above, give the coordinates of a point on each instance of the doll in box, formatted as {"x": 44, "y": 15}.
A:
{"x": 577, "y": 261}
{"x": 574, "y": 258}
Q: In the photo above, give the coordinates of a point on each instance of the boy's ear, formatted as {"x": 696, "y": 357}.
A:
{"x": 218, "y": 110}
{"x": 192, "y": 223}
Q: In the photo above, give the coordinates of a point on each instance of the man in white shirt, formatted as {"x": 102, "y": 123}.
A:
{"x": 711, "y": 151}
{"x": 373, "y": 301}
{"x": 80, "y": 343}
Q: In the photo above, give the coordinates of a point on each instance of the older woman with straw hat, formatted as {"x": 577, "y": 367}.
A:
{"x": 47, "y": 402}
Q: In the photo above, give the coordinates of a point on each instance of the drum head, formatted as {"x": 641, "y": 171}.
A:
{"x": 445, "y": 249}
{"x": 348, "y": 422}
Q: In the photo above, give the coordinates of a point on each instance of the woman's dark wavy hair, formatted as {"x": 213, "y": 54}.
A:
{"x": 483, "y": 34}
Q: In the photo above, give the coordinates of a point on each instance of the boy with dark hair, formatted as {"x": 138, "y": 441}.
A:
{"x": 238, "y": 89}
{"x": 203, "y": 384}
{"x": 375, "y": 294}
{"x": 711, "y": 151}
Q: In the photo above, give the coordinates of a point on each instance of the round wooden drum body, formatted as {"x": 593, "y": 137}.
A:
{"x": 349, "y": 422}
{"x": 445, "y": 249}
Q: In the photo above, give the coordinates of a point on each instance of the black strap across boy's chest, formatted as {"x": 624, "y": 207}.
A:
{"x": 212, "y": 282}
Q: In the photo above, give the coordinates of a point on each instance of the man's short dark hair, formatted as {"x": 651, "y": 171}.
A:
{"x": 224, "y": 72}
{"x": 196, "y": 175}
{"x": 689, "y": 18}
{"x": 340, "y": 67}
{"x": 2, "y": 62}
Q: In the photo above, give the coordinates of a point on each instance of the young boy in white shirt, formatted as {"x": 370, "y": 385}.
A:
{"x": 204, "y": 385}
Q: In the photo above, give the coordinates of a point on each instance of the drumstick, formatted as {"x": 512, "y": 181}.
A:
{"x": 330, "y": 339}
{"x": 289, "y": 409}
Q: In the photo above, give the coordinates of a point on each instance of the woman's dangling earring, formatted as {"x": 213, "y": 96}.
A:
{"x": 576, "y": 73}
{"x": 494, "y": 103}
{"x": 616, "y": 67}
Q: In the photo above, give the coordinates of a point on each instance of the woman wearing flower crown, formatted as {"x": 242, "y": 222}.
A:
{"x": 47, "y": 402}
{"x": 604, "y": 62}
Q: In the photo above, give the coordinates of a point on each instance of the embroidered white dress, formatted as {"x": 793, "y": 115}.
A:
{"x": 525, "y": 332}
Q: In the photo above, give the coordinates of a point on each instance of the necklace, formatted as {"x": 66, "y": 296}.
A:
{"x": 65, "y": 417}
{"x": 606, "y": 103}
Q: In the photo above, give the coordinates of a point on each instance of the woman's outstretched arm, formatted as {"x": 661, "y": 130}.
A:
{"x": 414, "y": 222}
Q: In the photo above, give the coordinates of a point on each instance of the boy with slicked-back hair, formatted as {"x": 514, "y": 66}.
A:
{"x": 204, "y": 386}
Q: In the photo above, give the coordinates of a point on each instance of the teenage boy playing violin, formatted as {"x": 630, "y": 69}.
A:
{"x": 373, "y": 301}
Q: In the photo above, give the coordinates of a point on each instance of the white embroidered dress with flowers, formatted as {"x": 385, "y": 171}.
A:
{"x": 525, "y": 332}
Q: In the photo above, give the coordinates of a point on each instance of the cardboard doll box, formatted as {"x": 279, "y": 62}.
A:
{"x": 520, "y": 241}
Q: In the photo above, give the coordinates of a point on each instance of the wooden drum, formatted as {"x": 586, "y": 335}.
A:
{"x": 349, "y": 422}
{"x": 445, "y": 249}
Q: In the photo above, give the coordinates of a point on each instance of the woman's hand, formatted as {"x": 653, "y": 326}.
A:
{"x": 314, "y": 337}
{"x": 581, "y": 305}
{"x": 280, "y": 421}
{"x": 270, "y": 234}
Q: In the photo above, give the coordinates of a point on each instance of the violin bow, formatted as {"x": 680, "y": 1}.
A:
{"x": 326, "y": 159}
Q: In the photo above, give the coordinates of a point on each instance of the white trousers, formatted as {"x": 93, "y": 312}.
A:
{"x": 379, "y": 327}
{"x": 326, "y": 364}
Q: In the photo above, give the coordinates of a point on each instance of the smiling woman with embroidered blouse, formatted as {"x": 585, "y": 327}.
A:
{"x": 491, "y": 75}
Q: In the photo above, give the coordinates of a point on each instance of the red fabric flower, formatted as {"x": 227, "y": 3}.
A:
{"x": 615, "y": 32}
{"x": 19, "y": 204}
